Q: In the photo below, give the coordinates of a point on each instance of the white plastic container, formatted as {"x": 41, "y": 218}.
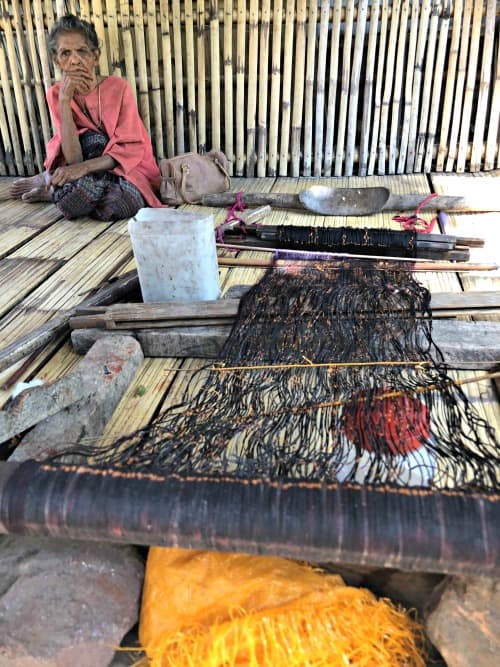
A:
{"x": 176, "y": 255}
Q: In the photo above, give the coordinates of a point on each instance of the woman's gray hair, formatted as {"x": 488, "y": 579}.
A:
{"x": 71, "y": 23}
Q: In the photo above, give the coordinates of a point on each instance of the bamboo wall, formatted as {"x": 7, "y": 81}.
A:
{"x": 284, "y": 87}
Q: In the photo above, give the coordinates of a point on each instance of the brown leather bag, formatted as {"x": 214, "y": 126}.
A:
{"x": 186, "y": 178}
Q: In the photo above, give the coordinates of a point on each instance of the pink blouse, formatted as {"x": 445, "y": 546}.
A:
{"x": 111, "y": 107}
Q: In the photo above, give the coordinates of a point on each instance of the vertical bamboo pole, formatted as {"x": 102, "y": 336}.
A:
{"x": 417, "y": 82}
{"x": 368, "y": 88}
{"x": 61, "y": 9}
{"x": 215, "y": 74}
{"x": 312, "y": 24}
{"x": 113, "y": 38}
{"x": 228, "y": 84}
{"x": 37, "y": 81}
{"x": 388, "y": 85}
{"x": 265, "y": 25}
{"x": 344, "y": 87}
{"x": 41, "y": 41}
{"x": 201, "y": 36}
{"x": 10, "y": 109}
{"x": 240, "y": 87}
{"x": 179, "y": 75}
{"x": 27, "y": 87}
{"x": 168, "y": 88}
{"x": 408, "y": 86}
{"x": 298, "y": 87}
{"x": 459, "y": 84}
{"x": 451, "y": 76}
{"x": 6, "y": 162}
{"x": 98, "y": 21}
{"x": 253, "y": 56}
{"x": 128, "y": 48}
{"x": 438, "y": 85}
{"x": 287, "y": 87}
{"x": 190, "y": 74}
{"x": 484, "y": 87}
{"x": 20, "y": 102}
{"x": 154, "y": 74}
{"x": 382, "y": 41}
{"x": 492, "y": 137}
{"x": 321, "y": 86}
{"x": 398, "y": 85}
{"x": 274, "y": 107}
{"x": 427, "y": 100}
{"x": 352, "y": 124}
{"x": 140, "y": 54}
{"x": 470, "y": 86}
{"x": 332, "y": 86}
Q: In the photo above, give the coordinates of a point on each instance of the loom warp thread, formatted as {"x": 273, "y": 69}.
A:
{"x": 311, "y": 422}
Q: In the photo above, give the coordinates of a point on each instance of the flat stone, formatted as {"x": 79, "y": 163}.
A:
{"x": 107, "y": 370}
{"x": 65, "y": 603}
{"x": 463, "y": 621}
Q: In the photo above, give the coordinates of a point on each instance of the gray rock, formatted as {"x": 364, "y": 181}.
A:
{"x": 411, "y": 589}
{"x": 463, "y": 621}
{"x": 65, "y": 603}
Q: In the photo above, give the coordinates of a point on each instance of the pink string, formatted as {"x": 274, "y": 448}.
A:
{"x": 410, "y": 222}
{"x": 231, "y": 215}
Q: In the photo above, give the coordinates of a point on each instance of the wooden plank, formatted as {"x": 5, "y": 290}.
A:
{"x": 463, "y": 344}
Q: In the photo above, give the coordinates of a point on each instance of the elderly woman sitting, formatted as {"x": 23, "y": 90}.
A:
{"x": 100, "y": 161}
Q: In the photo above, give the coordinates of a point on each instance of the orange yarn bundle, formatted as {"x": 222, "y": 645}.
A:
{"x": 211, "y": 609}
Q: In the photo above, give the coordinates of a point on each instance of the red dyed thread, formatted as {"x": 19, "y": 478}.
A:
{"x": 410, "y": 222}
{"x": 231, "y": 215}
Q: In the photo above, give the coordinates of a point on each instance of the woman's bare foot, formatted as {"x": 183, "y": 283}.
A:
{"x": 31, "y": 188}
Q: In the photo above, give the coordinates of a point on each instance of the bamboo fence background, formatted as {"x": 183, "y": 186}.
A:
{"x": 283, "y": 87}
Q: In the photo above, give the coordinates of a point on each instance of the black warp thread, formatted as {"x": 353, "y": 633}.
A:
{"x": 333, "y": 423}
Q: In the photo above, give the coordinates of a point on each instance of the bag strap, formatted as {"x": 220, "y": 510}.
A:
{"x": 184, "y": 174}
{"x": 224, "y": 171}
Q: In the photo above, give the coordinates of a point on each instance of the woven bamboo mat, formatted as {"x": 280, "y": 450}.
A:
{"x": 21, "y": 275}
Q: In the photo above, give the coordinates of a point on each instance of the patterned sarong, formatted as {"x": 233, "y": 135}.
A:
{"x": 103, "y": 195}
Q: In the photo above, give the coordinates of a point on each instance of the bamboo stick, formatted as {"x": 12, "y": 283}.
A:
{"x": 114, "y": 55}
{"x": 426, "y": 96}
{"x": 215, "y": 74}
{"x": 417, "y": 82}
{"x": 437, "y": 90}
{"x": 378, "y": 85}
{"x": 312, "y": 20}
{"x": 321, "y": 86}
{"x": 484, "y": 87}
{"x": 84, "y": 9}
{"x": 465, "y": 123}
{"x": 140, "y": 56}
{"x": 168, "y": 89}
{"x": 410, "y": 68}
{"x": 179, "y": 76}
{"x": 35, "y": 86}
{"x": 332, "y": 86}
{"x": 24, "y": 107}
{"x": 154, "y": 74}
{"x": 262, "y": 133}
{"x": 459, "y": 85}
{"x": 286, "y": 87}
{"x": 494, "y": 117}
{"x": 388, "y": 85}
{"x": 201, "y": 38}
{"x": 98, "y": 21}
{"x": 128, "y": 49}
{"x": 357, "y": 60}
{"x": 344, "y": 87}
{"x": 274, "y": 107}
{"x": 190, "y": 74}
{"x": 8, "y": 101}
{"x": 240, "y": 86}
{"x": 446, "y": 113}
{"x": 398, "y": 86}
{"x": 228, "y": 83}
{"x": 298, "y": 87}
{"x": 40, "y": 37}
{"x": 253, "y": 60}
{"x": 368, "y": 88}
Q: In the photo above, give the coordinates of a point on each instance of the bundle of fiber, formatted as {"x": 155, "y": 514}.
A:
{"x": 223, "y": 609}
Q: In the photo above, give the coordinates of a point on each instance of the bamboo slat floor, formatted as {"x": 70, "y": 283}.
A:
{"x": 48, "y": 265}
